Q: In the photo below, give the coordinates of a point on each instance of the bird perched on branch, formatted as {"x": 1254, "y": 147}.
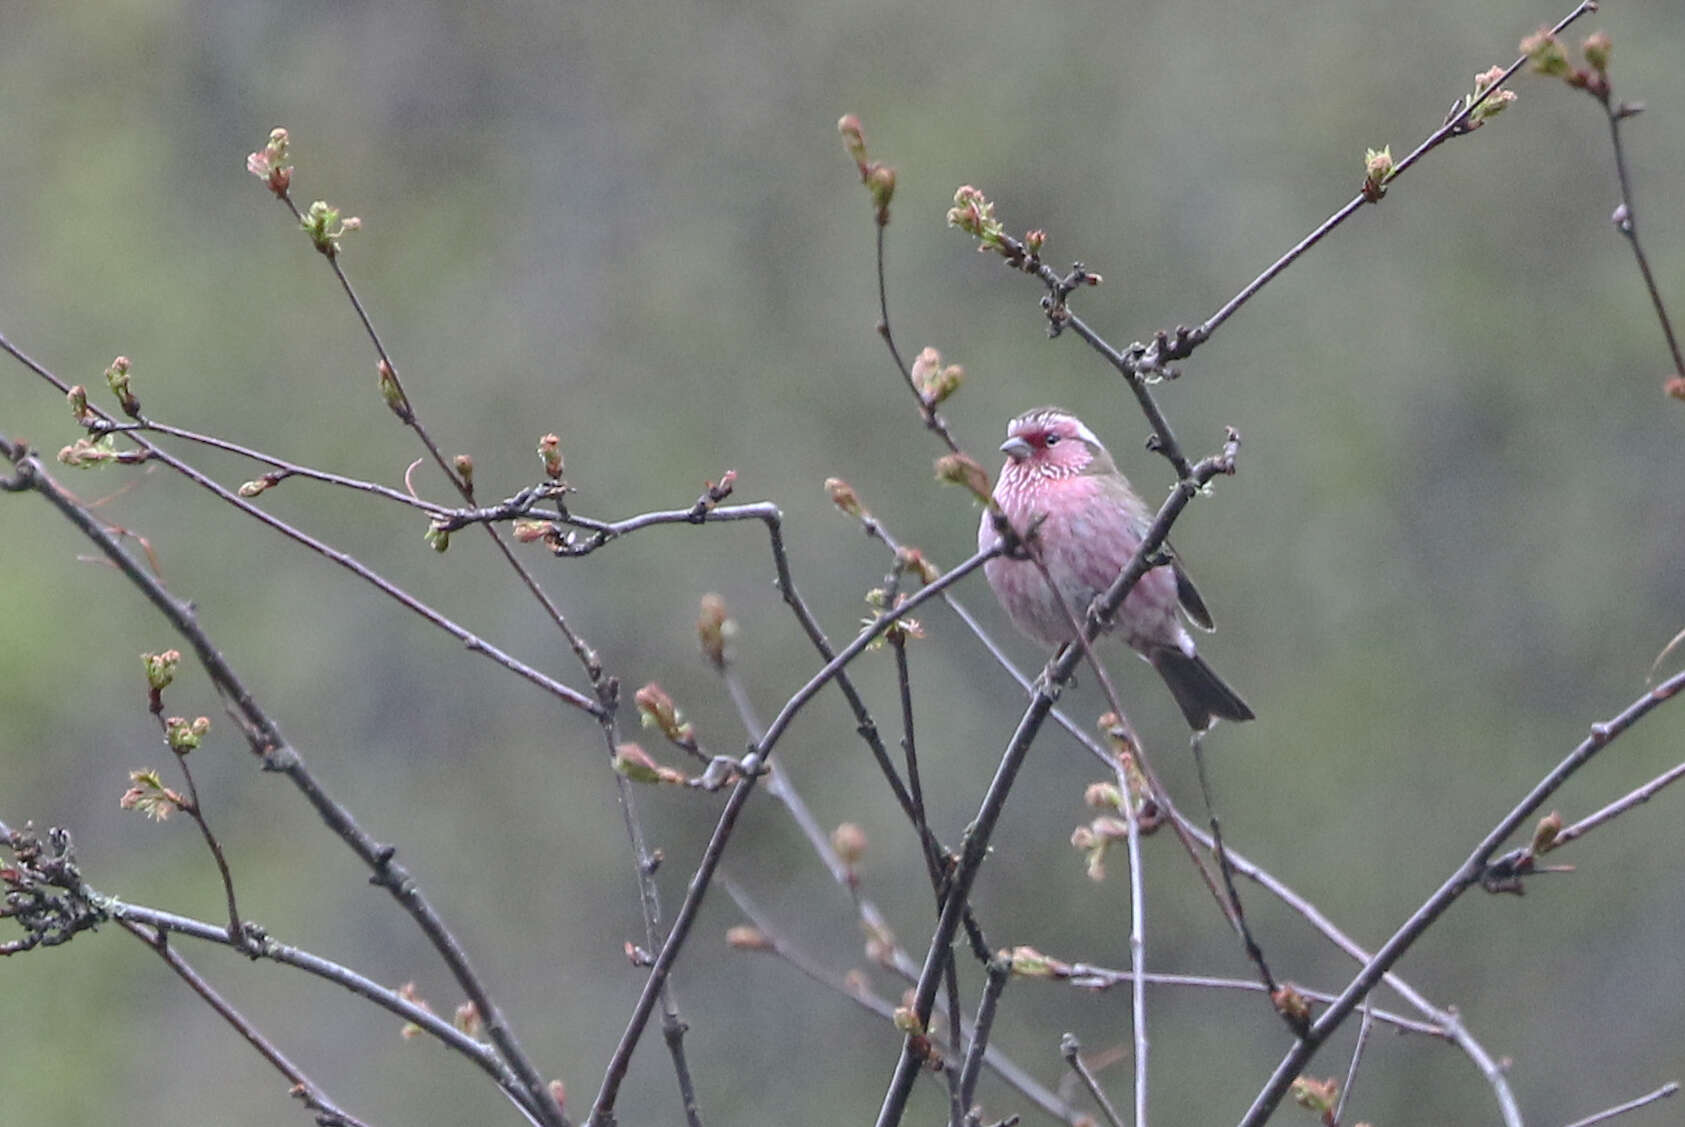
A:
{"x": 1061, "y": 484}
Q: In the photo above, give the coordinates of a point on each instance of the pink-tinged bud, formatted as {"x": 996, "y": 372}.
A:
{"x": 325, "y": 227}
{"x": 1103, "y": 796}
{"x": 975, "y": 215}
{"x": 1544, "y": 836}
{"x": 559, "y": 1093}
{"x": 854, "y": 141}
{"x": 906, "y": 1019}
{"x": 843, "y": 496}
{"x": 467, "y": 1019}
{"x": 908, "y": 559}
{"x": 880, "y": 944}
{"x": 663, "y": 715}
{"x": 1496, "y": 102}
{"x": 932, "y": 380}
{"x": 183, "y": 735}
{"x": 410, "y": 994}
{"x": 1027, "y": 962}
{"x": 634, "y": 762}
{"x": 1596, "y": 48}
{"x": 1377, "y": 166}
{"x": 78, "y": 399}
{"x": 880, "y": 181}
{"x": 746, "y": 938}
{"x": 896, "y": 632}
{"x": 148, "y": 794}
{"x": 161, "y": 668}
{"x": 1034, "y": 240}
{"x": 1292, "y": 1005}
{"x": 714, "y": 630}
{"x": 464, "y": 465}
{"x": 962, "y": 469}
{"x": 269, "y": 163}
{"x": 529, "y": 531}
{"x": 86, "y": 453}
{"x": 1675, "y": 386}
{"x": 849, "y": 840}
{"x": 1544, "y": 52}
{"x": 117, "y": 378}
{"x": 550, "y": 453}
{"x": 1320, "y": 1096}
{"x": 393, "y": 392}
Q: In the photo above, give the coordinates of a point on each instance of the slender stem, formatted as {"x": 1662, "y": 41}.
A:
{"x": 1664, "y": 1092}
{"x": 481, "y": 1054}
{"x": 993, "y": 985}
{"x": 1620, "y": 806}
{"x": 327, "y": 1113}
{"x": 1071, "y": 1049}
{"x": 1626, "y": 221}
{"x": 286, "y": 468}
{"x": 1137, "y": 948}
{"x": 673, "y": 1026}
{"x": 1087, "y": 976}
{"x": 1363, "y": 1028}
{"x": 196, "y": 811}
{"x": 933, "y": 422}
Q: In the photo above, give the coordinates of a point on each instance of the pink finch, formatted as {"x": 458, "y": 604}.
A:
{"x": 1091, "y": 523}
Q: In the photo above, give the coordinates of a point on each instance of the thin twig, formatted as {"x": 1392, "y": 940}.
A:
{"x": 1071, "y": 1049}
{"x": 284, "y": 469}
{"x": 1664, "y": 1092}
{"x": 328, "y": 1114}
{"x": 1626, "y": 220}
{"x": 1363, "y": 1028}
{"x": 194, "y": 810}
{"x": 1620, "y": 806}
{"x": 478, "y": 1052}
{"x": 994, "y": 984}
{"x": 1088, "y": 976}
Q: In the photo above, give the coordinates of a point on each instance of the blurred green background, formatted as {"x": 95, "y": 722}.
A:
{"x": 1454, "y": 541}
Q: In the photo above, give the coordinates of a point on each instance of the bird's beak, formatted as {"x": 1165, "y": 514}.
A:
{"x": 1016, "y": 448}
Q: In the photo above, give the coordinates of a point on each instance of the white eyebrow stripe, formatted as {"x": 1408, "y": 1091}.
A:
{"x": 1087, "y": 435}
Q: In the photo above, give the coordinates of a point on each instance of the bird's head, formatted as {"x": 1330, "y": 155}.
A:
{"x": 1050, "y": 443}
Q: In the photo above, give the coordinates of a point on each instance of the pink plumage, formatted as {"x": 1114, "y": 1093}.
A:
{"x": 1059, "y": 473}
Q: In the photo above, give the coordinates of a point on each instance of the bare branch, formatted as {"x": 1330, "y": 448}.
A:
{"x": 1666, "y": 1091}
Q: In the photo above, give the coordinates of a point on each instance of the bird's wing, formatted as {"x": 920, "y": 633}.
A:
{"x": 1188, "y": 595}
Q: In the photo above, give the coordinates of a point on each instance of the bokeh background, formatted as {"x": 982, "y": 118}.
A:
{"x": 1455, "y": 540}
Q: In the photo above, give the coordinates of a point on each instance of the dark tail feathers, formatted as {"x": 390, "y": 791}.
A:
{"x": 1199, "y": 692}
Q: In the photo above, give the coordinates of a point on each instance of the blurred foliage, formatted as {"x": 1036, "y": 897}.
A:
{"x": 1453, "y": 543}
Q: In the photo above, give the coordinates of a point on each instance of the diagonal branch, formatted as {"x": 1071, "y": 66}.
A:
{"x": 1467, "y": 874}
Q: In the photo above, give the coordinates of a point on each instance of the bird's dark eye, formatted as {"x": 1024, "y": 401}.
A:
{"x": 1051, "y": 440}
